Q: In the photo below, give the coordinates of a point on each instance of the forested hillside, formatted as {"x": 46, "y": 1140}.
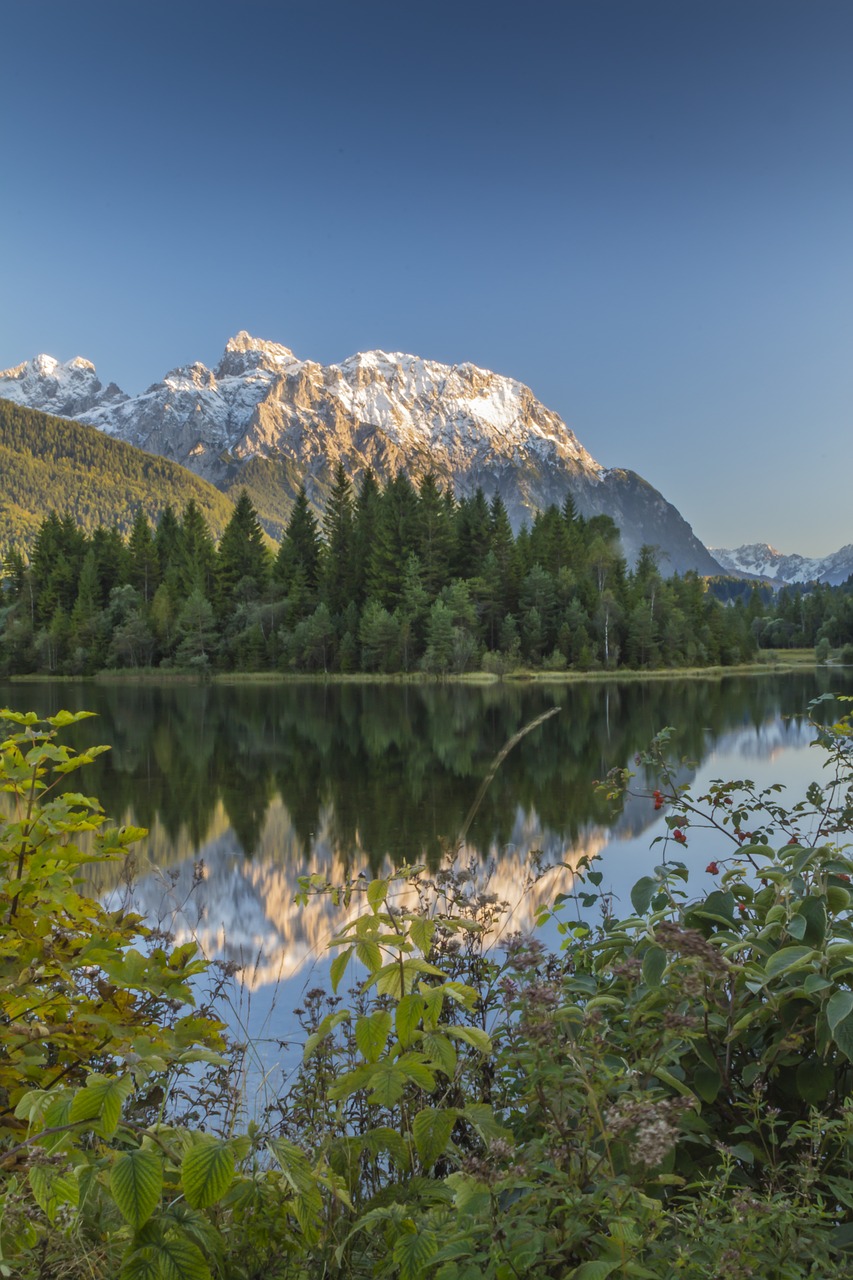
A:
{"x": 50, "y": 464}
{"x": 390, "y": 580}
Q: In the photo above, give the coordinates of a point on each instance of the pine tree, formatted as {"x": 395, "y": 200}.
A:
{"x": 337, "y": 561}
{"x": 243, "y": 562}
{"x": 297, "y": 565}
{"x": 395, "y": 540}
{"x": 196, "y": 554}
{"x": 435, "y": 532}
{"x": 144, "y": 571}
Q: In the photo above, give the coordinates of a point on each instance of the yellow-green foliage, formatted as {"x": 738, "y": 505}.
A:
{"x": 50, "y": 464}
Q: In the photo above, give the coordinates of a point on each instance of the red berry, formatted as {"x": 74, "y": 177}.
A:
{"x": 712, "y": 869}
{"x": 679, "y": 835}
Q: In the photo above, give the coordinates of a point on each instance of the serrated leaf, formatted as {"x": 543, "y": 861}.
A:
{"x": 207, "y": 1171}
{"x": 387, "y": 1081}
{"x": 600, "y": 1269}
{"x": 369, "y": 954}
{"x": 338, "y": 967}
{"x": 52, "y": 1188}
{"x": 178, "y": 1259}
{"x": 136, "y": 1182}
{"x": 377, "y": 892}
{"x": 438, "y": 1049}
{"x": 294, "y": 1165}
{"x": 326, "y": 1027}
{"x": 484, "y": 1120}
{"x": 101, "y": 1101}
{"x": 432, "y": 1128}
{"x": 422, "y": 931}
{"x": 412, "y": 1252}
{"x": 474, "y": 1036}
{"x": 371, "y": 1034}
{"x": 407, "y": 1017}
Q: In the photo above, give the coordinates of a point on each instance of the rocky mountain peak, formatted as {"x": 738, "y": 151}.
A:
{"x": 66, "y": 390}
{"x": 243, "y": 353}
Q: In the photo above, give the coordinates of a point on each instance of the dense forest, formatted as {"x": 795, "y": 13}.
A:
{"x": 51, "y": 464}
{"x": 399, "y": 579}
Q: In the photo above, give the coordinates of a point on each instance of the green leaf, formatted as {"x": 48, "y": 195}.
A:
{"x": 598, "y": 1270}
{"x": 786, "y": 959}
{"x": 387, "y": 1081}
{"x": 813, "y": 911}
{"x": 338, "y": 968}
{"x": 432, "y": 1128}
{"x": 413, "y": 1251}
{"x": 377, "y": 892}
{"x": 654, "y": 963}
{"x": 475, "y": 1036}
{"x": 371, "y": 1034}
{"x": 178, "y": 1259}
{"x": 440, "y": 1051}
{"x": 838, "y": 1007}
{"x": 707, "y": 1082}
{"x": 483, "y": 1118}
{"x": 814, "y": 1080}
{"x": 422, "y": 931}
{"x": 136, "y": 1182}
{"x": 796, "y": 927}
{"x": 642, "y": 894}
{"x": 207, "y": 1171}
{"x": 326, "y": 1027}
{"x": 101, "y": 1100}
{"x": 407, "y": 1018}
{"x": 369, "y": 954}
{"x": 843, "y": 1035}
{"x": 52, "y": 1188}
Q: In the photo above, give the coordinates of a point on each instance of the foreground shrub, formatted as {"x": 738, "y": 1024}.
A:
{"x": 664, "y": 1095}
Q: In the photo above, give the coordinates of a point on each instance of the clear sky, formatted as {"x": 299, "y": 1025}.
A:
{"x": 641, "y": 208}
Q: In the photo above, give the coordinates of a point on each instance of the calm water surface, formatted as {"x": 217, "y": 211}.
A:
{"x": 264, "y": 783}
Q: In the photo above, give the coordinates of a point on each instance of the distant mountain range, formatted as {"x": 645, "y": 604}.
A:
{"x": 760, "y": 560}
{"x": 268, "y": 421}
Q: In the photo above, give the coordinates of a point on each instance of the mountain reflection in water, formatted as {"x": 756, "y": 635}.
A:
{"x": 264, "y": 783}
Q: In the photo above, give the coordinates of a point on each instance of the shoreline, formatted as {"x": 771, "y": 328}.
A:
{"x": 793, "y": 660}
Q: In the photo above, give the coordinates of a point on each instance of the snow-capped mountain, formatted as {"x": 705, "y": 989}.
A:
{"x": 66, "y": 390}
{"x": 760, "y": 560}
{"x": 391, "y": 412}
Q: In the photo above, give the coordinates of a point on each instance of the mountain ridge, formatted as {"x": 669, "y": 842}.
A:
{"x": 294, "y": 420}
{"x": 762, "y": 561}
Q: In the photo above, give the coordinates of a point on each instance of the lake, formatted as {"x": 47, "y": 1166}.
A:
{"x": 245, "y": 787}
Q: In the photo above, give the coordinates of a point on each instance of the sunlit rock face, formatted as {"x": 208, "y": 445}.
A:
{"x": 388, "y": 411}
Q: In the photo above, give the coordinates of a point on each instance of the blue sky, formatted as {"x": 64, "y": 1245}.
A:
{"x": 641, "y": 208}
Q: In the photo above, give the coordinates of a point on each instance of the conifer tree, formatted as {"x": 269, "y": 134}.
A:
{"x": 337, "y": 560}
{"x": 297, "y": 565}
{"x": 196, "y": 554}
{"x": 434, "y": 535}
{"x": 395, "y": 539}
{"x": 144, "y": 570}
{"x": 243, "y": 562}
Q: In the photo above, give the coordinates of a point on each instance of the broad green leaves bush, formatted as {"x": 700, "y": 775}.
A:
{"x": 664, "y": 1095}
